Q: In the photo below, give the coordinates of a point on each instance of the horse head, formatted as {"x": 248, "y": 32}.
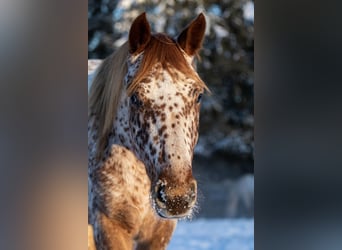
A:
{"x": 161, "y": 115}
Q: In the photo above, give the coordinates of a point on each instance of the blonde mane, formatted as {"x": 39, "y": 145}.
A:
{"x": 108, "y": 83}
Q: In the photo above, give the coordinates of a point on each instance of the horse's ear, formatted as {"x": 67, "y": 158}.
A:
{"x": 191, "y": 38}
{"x": 139, "y": 34}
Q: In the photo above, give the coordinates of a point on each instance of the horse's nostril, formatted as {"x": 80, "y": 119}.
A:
{"x": 193, "y": 187}
{"x": 193, "y": 192}
{"x": 161, "y": 196}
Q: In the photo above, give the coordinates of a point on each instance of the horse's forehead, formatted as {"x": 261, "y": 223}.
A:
{"x": 165, "y": 85}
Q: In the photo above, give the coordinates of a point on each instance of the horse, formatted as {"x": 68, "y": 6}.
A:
{"x": 143, "y": 119}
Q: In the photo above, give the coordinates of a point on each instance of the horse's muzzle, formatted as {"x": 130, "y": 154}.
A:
{"x": 171, "y": 201}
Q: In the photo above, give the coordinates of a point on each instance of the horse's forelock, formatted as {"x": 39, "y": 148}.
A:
{"x": 164, "y": 50}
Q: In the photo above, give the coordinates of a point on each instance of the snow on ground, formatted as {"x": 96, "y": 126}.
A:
{"x": 214, "y": 234}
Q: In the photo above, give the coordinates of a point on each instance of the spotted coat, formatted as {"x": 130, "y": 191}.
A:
{"x": 143, "y": 180}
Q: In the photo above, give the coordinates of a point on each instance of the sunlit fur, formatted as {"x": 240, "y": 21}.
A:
{"x": 140, "y": 156}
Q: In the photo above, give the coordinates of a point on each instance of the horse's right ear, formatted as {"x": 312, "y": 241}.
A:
{"x": 139, "y": 34}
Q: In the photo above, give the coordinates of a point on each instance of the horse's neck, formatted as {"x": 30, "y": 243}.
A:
{"x": 115, "y": 137}
{"x": 120, "y": 130}
{"x": 119, "y": 134}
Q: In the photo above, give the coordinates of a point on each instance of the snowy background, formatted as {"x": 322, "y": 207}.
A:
{"x": 214, "y": 234}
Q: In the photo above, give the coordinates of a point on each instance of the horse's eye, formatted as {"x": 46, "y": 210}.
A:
{"x": 135, "y": 100}
{"x": 199, "y": 98}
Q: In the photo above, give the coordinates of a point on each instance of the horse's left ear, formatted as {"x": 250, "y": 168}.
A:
{"x": 191, "y": 37}
{"x": 139, "y": 34}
